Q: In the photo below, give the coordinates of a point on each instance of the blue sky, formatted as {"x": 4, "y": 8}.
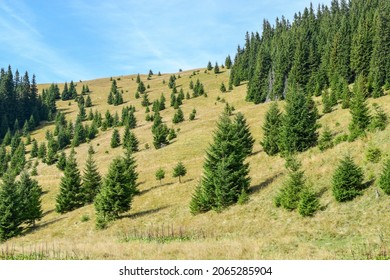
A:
{"x": 82, "y": 39}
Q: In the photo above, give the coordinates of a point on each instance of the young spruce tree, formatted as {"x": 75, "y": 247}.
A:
{"x": 11, "y": 216}
{"x": 71, "y": 195}
{"x": 347, "y": 180}
{"x": 271, "y": 129}
{"x": 117, "y": 191}
{"x": 91, "y": 180}
{"x": 299, "y": 123}
{"x": 225, "y": 175}
{"x": 30, "y": 193}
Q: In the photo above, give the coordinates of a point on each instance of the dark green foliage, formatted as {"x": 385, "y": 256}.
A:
{"x": 65, "y": 93}
{"x": 384, "y": 179}
{"x": 325, "y": 141}
{"x": 209, "y": 66}
{"x": 160, "y": 174}
{"x": 216, "y": 68}
{"x": 115, "y": 139}
{"x": 141, "y": 87}
{"x": 7, "y": 138}
{"x": 373, "y": 154}
{"x": 34, "y": 171}
{"x": 130, "y": 141}
{"x": 379, "y": 120}
{"x": 228, "y": 62}
{"x": 91, "y": 180}
{"x": 145, "y": 100}
{"x": 290, "y": 194}
{"x": 18, "y": 159}
{"x": 179, "y": 171}
{"x": 222, "y": 88}
{"x": 271, "y": 129}
{"x": 326, "y": 102}
{"x": 34, "y": 149}
{"x": 61, "y": 163}
{"x": 308, "y": 203}
{"x": 172, "y": 134}
{"x": 51, "y": 155}
{"x": 359, "y": 110}
{"x": 198, "y": 89}
{"x": 178, "y": 117}
{"x": 192, "y": 115}
{"x": 347, "y": 180}
{"x": 299, "y": 124}
{"x": 11, "y": 217}
{"x": 29, "y": 195}
{"x": 172, "y": 83}
{"x": 345, "y": 96}
{"x": 79, "y": 135}
{"x": 225, "y": 175}
{"x": 42, "y": 151}
{"x": 19, "y": 102}
{"x": 115, "y": 96}
{"x": 4, "y": 158}
{"x": 71, "y": 195}
{"x": 117, "y": 191}
{"x": 160, "y": 132}
{"x": 88, "y": 101}
{"x": 243, "y": 134}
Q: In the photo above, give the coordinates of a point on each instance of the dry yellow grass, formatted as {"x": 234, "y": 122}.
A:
{"x": 256, "y": 230}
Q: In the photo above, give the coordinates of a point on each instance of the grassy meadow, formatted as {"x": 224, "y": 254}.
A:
{"x": 159, "y": 224}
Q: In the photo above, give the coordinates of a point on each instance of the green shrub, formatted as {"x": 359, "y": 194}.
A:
{"x": 373, "y": 154}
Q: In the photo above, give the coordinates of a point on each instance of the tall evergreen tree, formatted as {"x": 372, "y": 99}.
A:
{"x": 298, "y": 131}
{"x": 115, "y": 139}
{"x": 130, "y": 141}
{"x": 243, "y": 134}
{"x": 30, "y": 192}
{"x": 71, "y": 195}
{"x": 116, "y": 194}
{"x": 359, "y": 110}
{"x": 178, "y": 117}
{"x": 225, "y": 175}
{"x": 271, "y": 130}
{"x": 228, "y": 62}
{"x": 347, "y": 180}
{"x": 91, "y": 180}
{"x": 11, "y": 217}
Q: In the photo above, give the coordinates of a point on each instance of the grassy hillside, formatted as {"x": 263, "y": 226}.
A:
{"x": 160, "y": 226}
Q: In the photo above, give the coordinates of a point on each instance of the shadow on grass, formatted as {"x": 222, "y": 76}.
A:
{"x": 188, "y": 180}
{"x": 41, "y": 225}
{"x": 264, "y": 184}
{"x": 256, "y": 153}
{"x": 143, "y": 213}
{"x": 155, "y": 187}
{"x": 48, "y": 212}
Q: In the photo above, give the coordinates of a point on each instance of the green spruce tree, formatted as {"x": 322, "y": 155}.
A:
{"x": 115, "y": 139}
{"x": 91, "y": 180}
{"x": 179, "y": 171}
{"x": 71, "y": 195}
{"x": 271, "y": 130}
{"x": 30, "y": 192}
{"x": 384, "y": 179}
{"x": 347, "y": 180}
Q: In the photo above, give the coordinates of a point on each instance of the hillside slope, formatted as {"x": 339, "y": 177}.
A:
{"x": 160, "y": 226}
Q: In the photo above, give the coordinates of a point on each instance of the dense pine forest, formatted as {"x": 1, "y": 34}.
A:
{"x": 320, "y": 49}
{"x": 288, "y": 137}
